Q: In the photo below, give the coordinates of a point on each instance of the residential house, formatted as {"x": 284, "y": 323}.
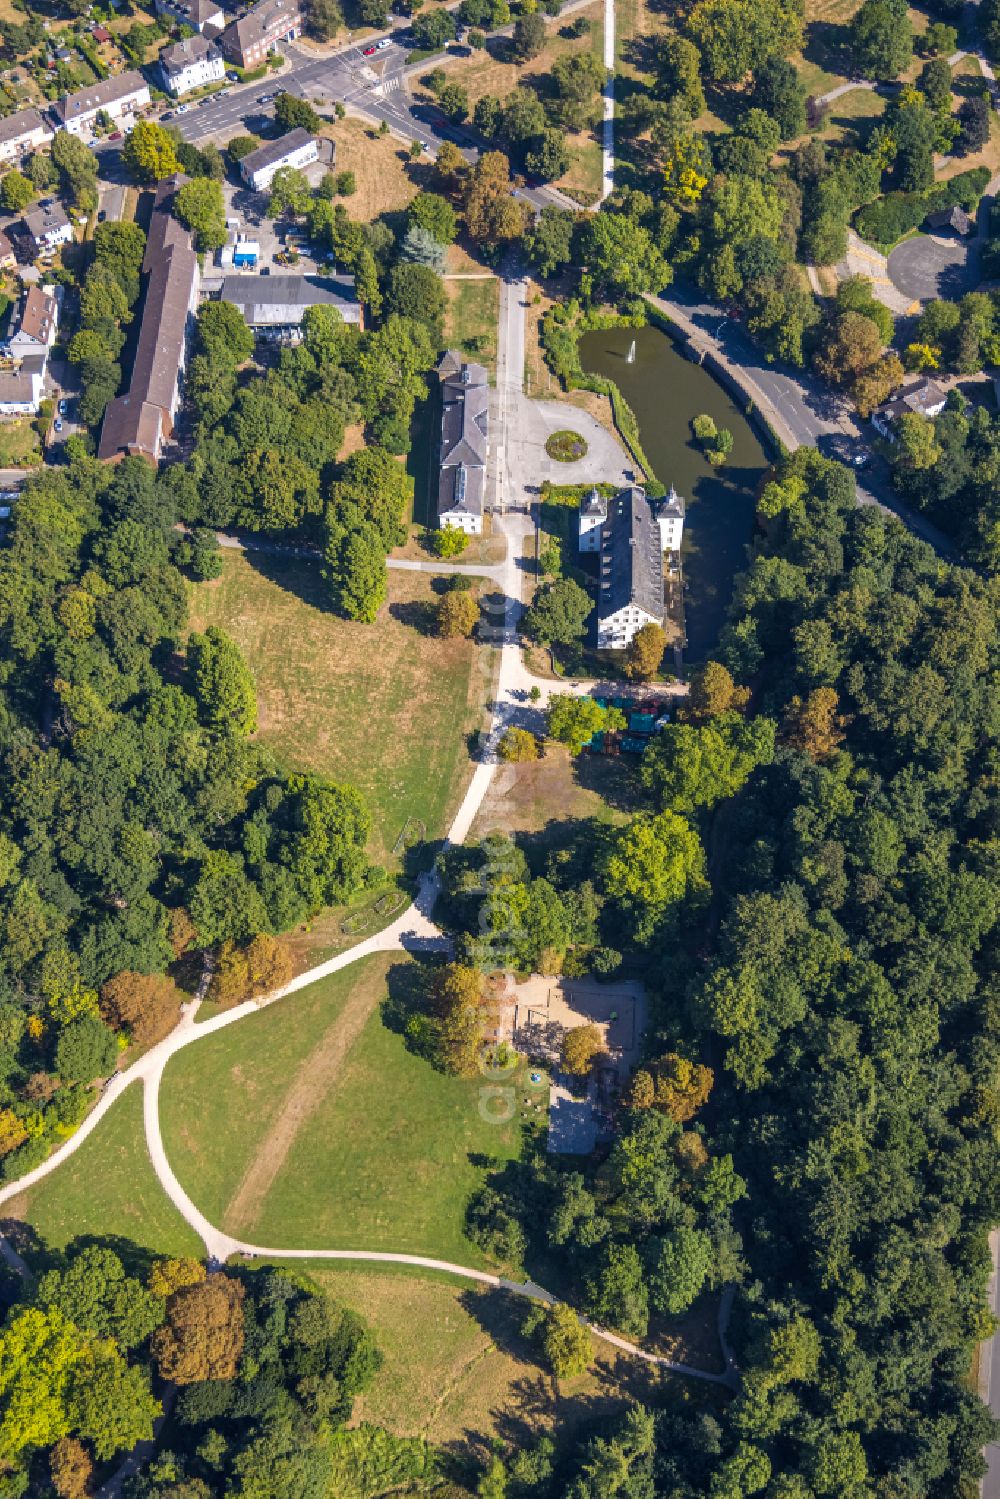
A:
{"x": 8, "y": 260}
{"x": 296, "y": 148}
{"x": 274, "y": 306}
{"x": 32, "y": 334}
{"x": 21, "y": 389}
{"x": 923, "y": 398}
{"x": 23, "y": 132}
{"x": 47, "y": 226}
{"x": 33, "y": 327}
{"x": 630, "y": 589}
{"x": 248, "y": 40}
{"x": 204, "y": 16}
{"x": 118, "y": 97}
{"x": 142, "y": 419}
{"x": 190, "y": 64}
{"x": 465, "y": 397}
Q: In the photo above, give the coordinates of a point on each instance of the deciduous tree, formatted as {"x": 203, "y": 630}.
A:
{"x": 579, "y": 1048}
{"x": 202, "y": 1337}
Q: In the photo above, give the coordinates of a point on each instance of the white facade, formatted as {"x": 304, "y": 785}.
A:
{"x": 22, "y": 132}
{"x": 118, "y": 98}
{"x": 670, "y": 519}
{"x": 199, "y": 66}
{"x": 616, "y": 631}
{"x": 260, "y": 174}
{"x": 461, "y": 520}
{"x": 593, "y": 514}
{"x": 48, "y": 226}
{"x": 36, "y": 322}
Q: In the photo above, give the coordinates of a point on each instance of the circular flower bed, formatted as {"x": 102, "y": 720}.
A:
{"x": 566, "y": 446}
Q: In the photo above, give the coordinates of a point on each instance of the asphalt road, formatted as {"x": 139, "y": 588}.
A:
{"x": 374, "y": 86}
{"x": 814, "y": 415}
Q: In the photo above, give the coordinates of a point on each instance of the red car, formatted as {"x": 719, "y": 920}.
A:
{"x": 369, "y": 51}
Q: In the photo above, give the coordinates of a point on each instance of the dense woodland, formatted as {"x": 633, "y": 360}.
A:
{"x": 138, "y": 818}
{"x": 825, "y": 977}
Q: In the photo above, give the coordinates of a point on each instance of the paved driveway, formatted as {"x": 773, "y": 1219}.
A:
{"x": 931, "y": 265}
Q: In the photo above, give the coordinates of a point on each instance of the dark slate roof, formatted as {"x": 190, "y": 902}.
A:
{"x": 631, "y": 557}
{"x": 47, "y": 216}
{"x": 170, "y": 272}
{"x": 180, "y": 55}
{"x": 274, "y": 151}
{"x": 274, "y": 300}
{"x": 465, "y": 398}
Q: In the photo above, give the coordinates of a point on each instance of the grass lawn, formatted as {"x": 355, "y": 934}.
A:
{"x": 380, "y": 166}
{"x": 108, "y": 1189}
{"x": 458, "y": 1371}
{"x": 471, "y": 319}
{"x": 384, "y": 706}
{"x": 311, "y": 1125}
{"x": 19, "y": 444}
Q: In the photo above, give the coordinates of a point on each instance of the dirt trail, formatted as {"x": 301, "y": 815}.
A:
{"x": 316, "y": 1075}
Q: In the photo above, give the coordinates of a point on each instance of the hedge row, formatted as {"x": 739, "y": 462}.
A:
{"x": 887, "y": 219}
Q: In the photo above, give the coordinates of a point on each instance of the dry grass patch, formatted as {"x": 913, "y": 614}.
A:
{"x": 385, "y": 707}
{"x": 379, "y": 164}
{"x": 491, "y": 71}
{"x": 553, "y": 790}
{"x": 458, "y": 1371}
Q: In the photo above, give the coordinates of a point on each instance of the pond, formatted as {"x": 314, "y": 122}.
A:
{"x": 666, "y": 391}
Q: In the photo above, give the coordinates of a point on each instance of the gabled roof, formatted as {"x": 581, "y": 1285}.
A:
{"x": 464, "y": 436}
{"x": 267, "y": 19}
{"x": 134, "y": 422}
{"x": 37, "y": 315}
{"x": 465, "y": 417}
{"x": 99, "y": 95}
{"x": 23, "y": 123}
{"x": 275, "y": 151}
{"x": 273, "y": 300}
{"x": 631, "y": 557}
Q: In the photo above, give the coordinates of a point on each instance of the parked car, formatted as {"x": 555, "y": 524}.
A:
{"x": 369, "y": 51}
{"x": 62, "y": 408}
{"x": 58, "y": 425}
{"x": 385, "y": 42}
{"x": 115, "y": 135}
{"x": 233, "y": 77}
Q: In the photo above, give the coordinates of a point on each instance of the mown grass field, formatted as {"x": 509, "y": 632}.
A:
{"x": 310, "y": 1125}
{"x": 385, "y": 707}
{"x": 108, "y": 1189}
{"x": 471, "y": 319}
{"x": 19, "y": 443}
